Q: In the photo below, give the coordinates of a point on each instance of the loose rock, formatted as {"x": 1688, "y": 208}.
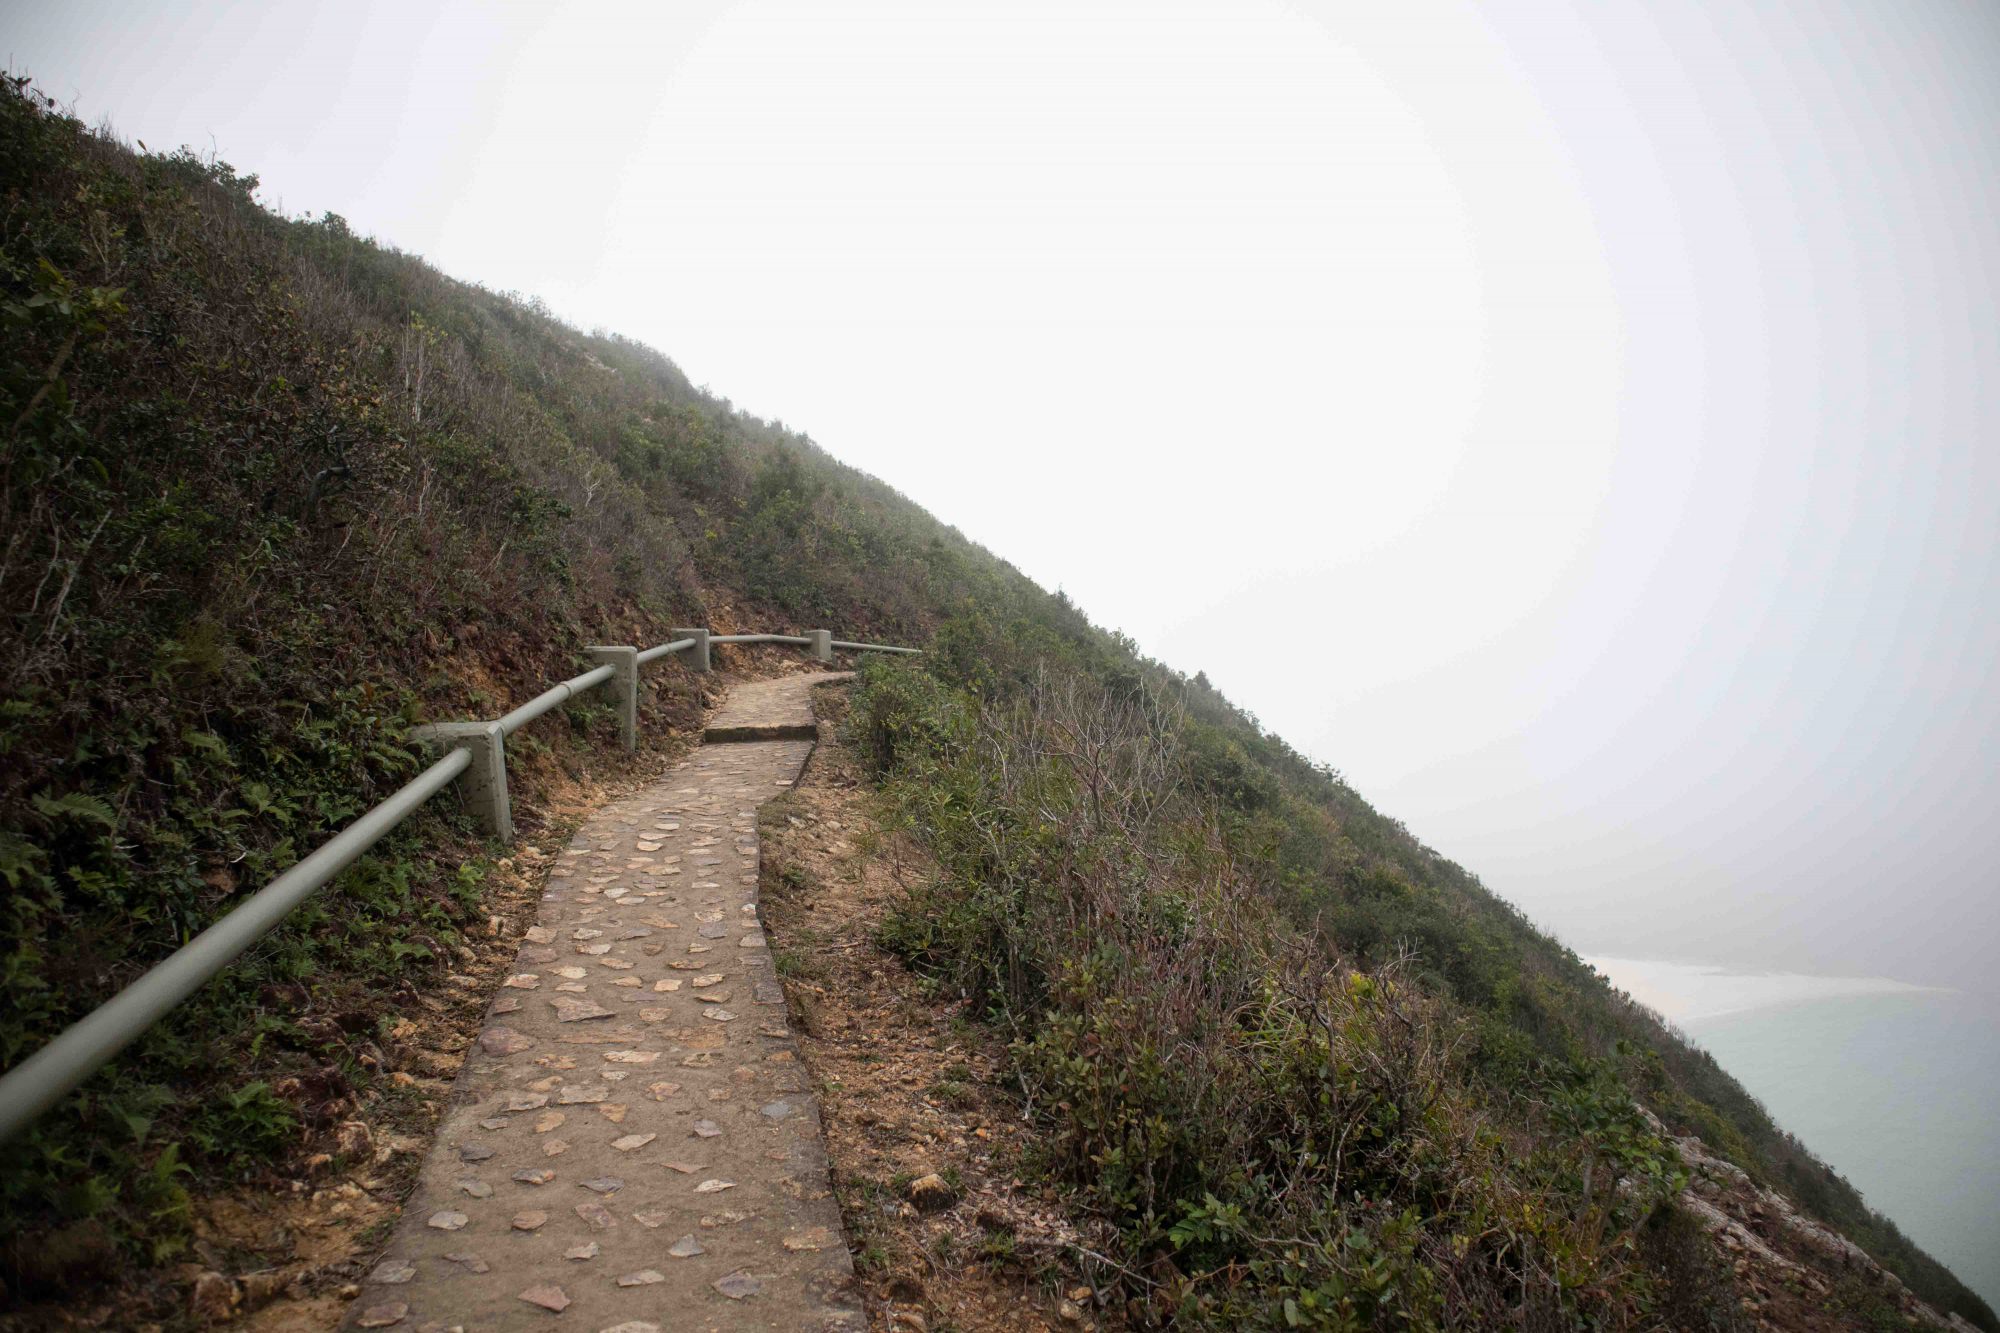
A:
{"x": 214, "y": 1298}
{"x": 738, "y": 1285}
{"x": 548, "y": 1296}
{"x": 504, "y": 1041}
{"x": 930, "y": 1193}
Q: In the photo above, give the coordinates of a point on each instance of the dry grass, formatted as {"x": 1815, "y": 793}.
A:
{"x": 909, "y": 1088}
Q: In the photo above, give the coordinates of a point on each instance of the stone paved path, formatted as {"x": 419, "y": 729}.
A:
{"x": 631, "y": 1144}
{"x": 767, "y": 710}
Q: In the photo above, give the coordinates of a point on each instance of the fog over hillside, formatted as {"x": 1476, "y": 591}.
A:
{"x": 1599, "y": 399}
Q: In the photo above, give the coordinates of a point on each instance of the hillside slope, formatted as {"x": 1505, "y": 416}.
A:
{"x": 274, "y": 493}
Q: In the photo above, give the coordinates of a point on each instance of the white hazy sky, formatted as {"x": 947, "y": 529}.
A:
{"x": 1594, "y": 408}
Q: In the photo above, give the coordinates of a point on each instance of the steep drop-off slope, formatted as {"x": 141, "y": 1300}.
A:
{"x": 273, "y": 493}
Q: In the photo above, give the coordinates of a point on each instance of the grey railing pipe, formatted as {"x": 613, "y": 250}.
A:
{"x": 39, "y": 1081}
{"x": 677, "y": 646}
{"x": 552, "y": 696}
{"x": 875, "y": 648}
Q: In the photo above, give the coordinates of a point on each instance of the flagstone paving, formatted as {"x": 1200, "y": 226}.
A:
{"x": 631, "y": 1145}
{"x": 766, "y": 710}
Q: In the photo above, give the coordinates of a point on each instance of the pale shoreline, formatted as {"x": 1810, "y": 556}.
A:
{"x": 1685, "y": 993}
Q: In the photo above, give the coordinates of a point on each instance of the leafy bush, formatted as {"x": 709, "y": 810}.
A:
{"x": 1282, "y": 1141}
{"x": 1312, "y": 1073}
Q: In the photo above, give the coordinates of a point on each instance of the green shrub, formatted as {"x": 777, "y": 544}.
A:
{"x": 1310, "y": 1073}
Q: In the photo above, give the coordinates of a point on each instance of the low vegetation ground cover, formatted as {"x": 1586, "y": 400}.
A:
{"x": 1313, "y": 1072}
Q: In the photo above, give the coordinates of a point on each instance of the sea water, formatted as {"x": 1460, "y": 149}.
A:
{"x": 1895, "y": 1086}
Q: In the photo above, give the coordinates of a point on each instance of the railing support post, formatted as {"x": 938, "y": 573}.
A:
{"x": 822, "y": 644}
{"x": 625, "y": 661}
{"x": 484, "y": 786}
{"x": 697, "y": 656}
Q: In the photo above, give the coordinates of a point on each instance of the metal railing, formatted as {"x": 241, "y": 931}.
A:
{"x": 475, "y": 751}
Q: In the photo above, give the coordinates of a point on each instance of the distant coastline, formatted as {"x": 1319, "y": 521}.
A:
{"x": 1891, "y": 1083}
{"x": 1685, "y": 993}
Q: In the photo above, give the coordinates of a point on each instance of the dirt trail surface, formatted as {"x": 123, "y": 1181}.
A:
{"x": 631, "y": 1144}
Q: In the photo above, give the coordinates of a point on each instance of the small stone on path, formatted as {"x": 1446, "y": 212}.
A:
{"x": 817, "y": 1238}
{"x": 548, "y": 1296}
{"x": 571, "y": 1010}
{"x": 738, "y": 1285}
{"x": 504, "y": 1041}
